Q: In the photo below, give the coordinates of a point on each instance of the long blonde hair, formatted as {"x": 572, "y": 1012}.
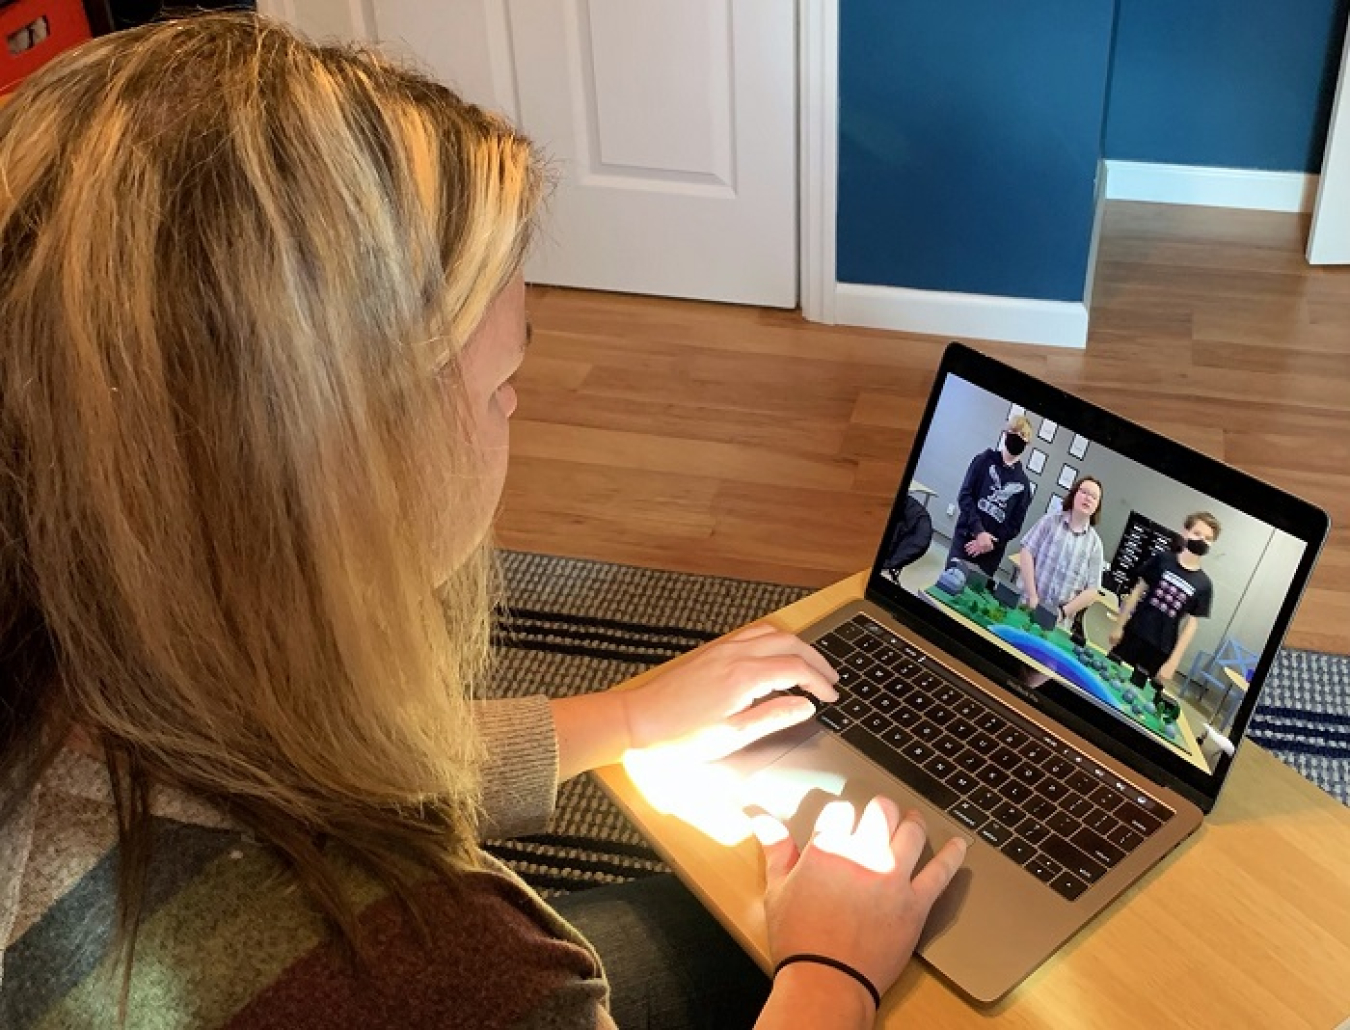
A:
{"x": 234, "y": 264}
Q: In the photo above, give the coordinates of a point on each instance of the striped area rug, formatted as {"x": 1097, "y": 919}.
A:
{"x": 576, "y": 626}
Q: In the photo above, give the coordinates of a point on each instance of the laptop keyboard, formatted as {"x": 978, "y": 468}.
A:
{"x": 1046, "y": 806}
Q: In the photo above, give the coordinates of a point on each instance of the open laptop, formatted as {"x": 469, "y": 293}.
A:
{"x": 1066, "y": 769}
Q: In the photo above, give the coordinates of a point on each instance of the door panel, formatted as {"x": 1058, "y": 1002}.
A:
{"x": 1329, "y": 241}
{"x": 670, "y": 127}
{"x": 673, "y": 129}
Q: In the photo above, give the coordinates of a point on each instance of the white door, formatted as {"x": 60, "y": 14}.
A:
{"x": 1329, "y": 241}
{"x": 671, "y": 125}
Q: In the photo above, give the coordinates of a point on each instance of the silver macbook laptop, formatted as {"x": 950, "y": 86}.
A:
{"x": 1074, "y": 725}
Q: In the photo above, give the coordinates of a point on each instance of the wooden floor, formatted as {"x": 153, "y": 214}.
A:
{"x": 750, "y": 443}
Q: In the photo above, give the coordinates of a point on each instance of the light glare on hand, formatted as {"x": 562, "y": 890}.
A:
{"x": 868, "y": 845}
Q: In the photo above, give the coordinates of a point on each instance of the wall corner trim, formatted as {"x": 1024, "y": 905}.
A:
{"x": 1251, "y": 189}
{"x": 965, "y": 316}
{"x": 818, "y": 140}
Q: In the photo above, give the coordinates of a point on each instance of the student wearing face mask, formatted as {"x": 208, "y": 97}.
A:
{"x": 993, "y": 501}
{"x": 1159, "y": 617}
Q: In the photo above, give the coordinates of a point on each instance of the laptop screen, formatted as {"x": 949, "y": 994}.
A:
{"x": 1133, "y": 588}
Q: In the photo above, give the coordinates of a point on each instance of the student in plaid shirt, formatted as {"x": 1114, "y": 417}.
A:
{"x": 1061, "y": 556}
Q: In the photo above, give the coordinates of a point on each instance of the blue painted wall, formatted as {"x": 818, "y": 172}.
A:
{"x": 1228, "y": 83}
{"x": 969, "y": 135}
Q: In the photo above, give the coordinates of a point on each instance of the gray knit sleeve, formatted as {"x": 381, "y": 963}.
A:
{"x": 520, "y": 775}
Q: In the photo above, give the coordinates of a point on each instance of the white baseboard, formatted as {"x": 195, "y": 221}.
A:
{"x": 964, "y": 316}
{"x": 1252, "y": 189}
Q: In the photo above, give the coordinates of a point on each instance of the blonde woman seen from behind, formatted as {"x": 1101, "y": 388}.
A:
{"x": 260, "y": 304}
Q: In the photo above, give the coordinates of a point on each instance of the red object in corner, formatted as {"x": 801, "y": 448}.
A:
{"x": 67, "y": 25}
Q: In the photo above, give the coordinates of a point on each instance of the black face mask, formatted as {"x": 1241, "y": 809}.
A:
{"x": 1197, "y": 546}
{"x": 1014, "y": 444}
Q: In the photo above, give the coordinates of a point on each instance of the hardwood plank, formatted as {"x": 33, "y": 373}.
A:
{"x": 748, "y": 442}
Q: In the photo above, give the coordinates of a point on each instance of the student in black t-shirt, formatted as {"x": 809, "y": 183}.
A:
{"x": 1158, "y": 618}
{"x": 993, "y": 500}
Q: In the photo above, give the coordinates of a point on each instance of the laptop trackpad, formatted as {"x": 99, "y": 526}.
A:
{"x": 796, "y": 774}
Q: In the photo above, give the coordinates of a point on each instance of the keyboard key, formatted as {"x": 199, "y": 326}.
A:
{"x": 1011, "y": 736}
{"x": 885, "y": 703}
{"x": 992, "y": 776}
{"x": 1032, "y": 831}
{"x": 995, "y": 833}
{"x": 919, "y": 700}
{"x": 968, "y": 709}
{"x": 926, "y": 731}
{"x": 1018, "y": 850}
{"x": 899, "y": 765}
{"x": 834, "y": 719}
{"x": 1039, "y": 808}
{"x": 970, "y": 761}
{"x": 1137, "y": 819}
{"x": 897, "y": 738}
{"x": 928, "y": 680}
{"x": 847, "y": 676}
{"x": 856, "y": 708}
{"x": 867, "y": 642}
{"x": 1095, "y": 847}
{"x": 917, "y": 751}
{"x": 1005, "y": 758}
{"x": 1156, "y": 808}
{"x": 906, "y": 716}
{"x": 1081, "y": 782}
{"x": 958, "y": 727}
{"x": 1058, "y": 768}
{"x": 983, "y": 743}
{"x": 949, "y": 746}
{"x": 1062, "y": 823}
{"x": 878, "y": 724}
{"x": 1076, "y": 805}
{"x": 1028, "y": 774}
{"x": 940, "y": 715}
{"x": 886, "y": 656}
{"x": 962, "y": 781}
{"x": 834, "y": 647}
{"x": 947, "y": 695}
{"x": 1068, "y": 886}
{"x": 1052, "y": 789}
{"x": 1124, "y": 838}
{"x": 1041, "y": 869}
{"x": 939, "y": 766}
{"x": 1072, "y": 859}
{"x": 968, "y": 815}
{"x": 1034, "y": 751}
{"x": 881, "y": 676}
{"x": 865, "y": 688}
{"x": 985, "y": 799}
{"x": 989, "y": 722}
{"x": 859, "y": 661}
{"x": 1104, "y": 797}
{"x": 1008, "y": 814}
{"x": 849, "y": 631}
{"x": 1016, "y": 790}
{"x": 1101, "y": 822}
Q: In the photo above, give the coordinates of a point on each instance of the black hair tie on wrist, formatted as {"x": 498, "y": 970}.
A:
{"x": 833, "y": 963}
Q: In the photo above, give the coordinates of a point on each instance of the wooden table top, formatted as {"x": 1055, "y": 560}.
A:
{"x": 1247, "y": 924}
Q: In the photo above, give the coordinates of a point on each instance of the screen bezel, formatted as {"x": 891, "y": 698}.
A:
{"x": 1226, "y": 484}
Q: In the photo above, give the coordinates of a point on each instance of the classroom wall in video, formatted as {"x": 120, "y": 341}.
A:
{"x": 1251, "y": 563}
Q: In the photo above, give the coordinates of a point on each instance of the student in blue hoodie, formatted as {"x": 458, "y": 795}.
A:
{"x": 993, "y": 501}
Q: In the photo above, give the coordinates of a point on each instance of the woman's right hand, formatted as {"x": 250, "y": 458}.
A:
{"x": 852, "y": 894}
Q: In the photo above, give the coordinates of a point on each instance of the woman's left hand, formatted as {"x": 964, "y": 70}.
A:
{"x": 705, "y": 705}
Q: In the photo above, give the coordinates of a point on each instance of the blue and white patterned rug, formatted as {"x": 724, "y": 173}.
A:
{"x": 577, "y": 626}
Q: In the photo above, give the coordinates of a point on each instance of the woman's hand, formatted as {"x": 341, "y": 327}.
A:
{"x": 705, "y": 704}
{"x": 852, "y": 894}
